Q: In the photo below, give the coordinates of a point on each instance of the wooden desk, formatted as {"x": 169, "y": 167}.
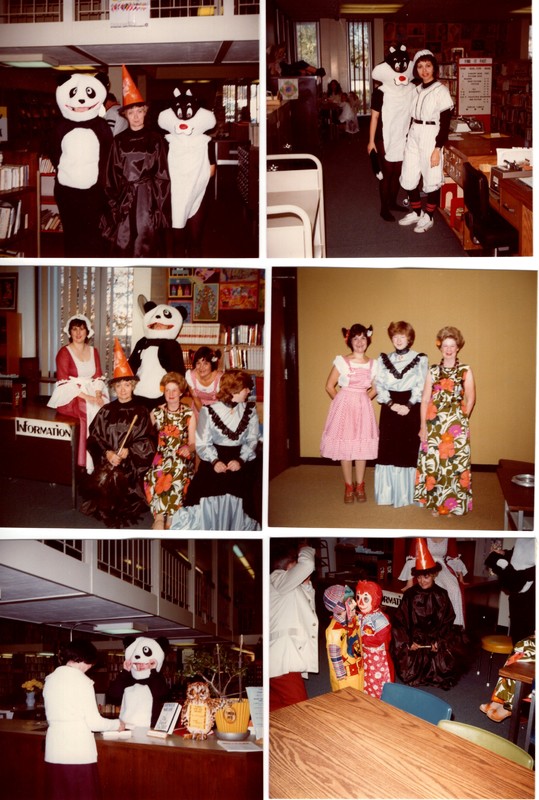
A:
{"x": 140, "y": 768}
{"x": 39, "y": 444}
{"x": 522, "y": 672}
{"x": 479, "y": 150}
{"x": 515, "y": 204}
{"x": 349, "y": 745}
{"x": 519, "y": 500}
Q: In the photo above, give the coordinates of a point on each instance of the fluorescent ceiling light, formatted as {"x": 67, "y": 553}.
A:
{"x": 32, "y": 60}
{"x": 525, "y": 10}
{"x": 239, "y": 554}
{"x": 120, "y": 628}
{"x": 378, "y": 9}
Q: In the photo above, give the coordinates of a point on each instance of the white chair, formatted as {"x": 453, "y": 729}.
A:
{"x": 294, "y": 183}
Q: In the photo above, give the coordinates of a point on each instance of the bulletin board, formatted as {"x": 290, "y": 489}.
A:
{"x": 474, "y": 92}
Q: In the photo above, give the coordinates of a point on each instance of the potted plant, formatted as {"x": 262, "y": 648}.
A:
{"x": 223, "y": 670}
{"x": 32, "y": 687}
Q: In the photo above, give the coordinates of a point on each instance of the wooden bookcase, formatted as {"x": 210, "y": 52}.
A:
{"x": 25, "y": 242}
{"x": 10, "y": 342}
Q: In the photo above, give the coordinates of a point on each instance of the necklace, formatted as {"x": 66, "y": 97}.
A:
{"x": 445, "y": 368}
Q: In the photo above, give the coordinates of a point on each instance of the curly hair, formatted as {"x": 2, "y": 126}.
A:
{"x": 450, "y": 332}
{"x": 357, "y": 330}
{"x": 404, "y": 328}
{"x": 174, "y": 377}
{"x": 232, "y": 382}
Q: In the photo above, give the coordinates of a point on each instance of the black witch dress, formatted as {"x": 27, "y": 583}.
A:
{"x": 138, "y": 192}
{"x": 223, "y": 500}
{"x": 426, "y": 617}
{"x": 115, "y": 495}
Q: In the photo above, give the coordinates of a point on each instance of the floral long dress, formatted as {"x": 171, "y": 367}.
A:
{"x": 443, "y": 479}
{"x": 169, "y": 476}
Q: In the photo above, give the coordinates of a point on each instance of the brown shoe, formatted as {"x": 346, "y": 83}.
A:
{"x": 361, "y": 497}
{"x": 349, "y": 493}
{"x": 498, "y": 714}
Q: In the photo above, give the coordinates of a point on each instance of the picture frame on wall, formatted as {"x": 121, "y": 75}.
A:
{"x": 206, "y": 302}
{"x": 237, "y": 274}
{"x": 239, "y": 296}
{"x": 179, "y": 272}
{"x": 187, "y": 304}
{"x": 8, "y": 292}
{"x": 180, "y": 287}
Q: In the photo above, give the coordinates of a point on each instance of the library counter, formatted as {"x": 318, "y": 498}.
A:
{"x": 138, "y": 768}
{"x": 515, "y": 200}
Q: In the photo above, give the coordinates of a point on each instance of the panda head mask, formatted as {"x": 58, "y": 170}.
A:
{"x": 162, "y": 321}
{"x": 80, "y": 97}
{"x": 143, "y": 655}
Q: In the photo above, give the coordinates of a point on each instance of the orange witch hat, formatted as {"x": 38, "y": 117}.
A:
{"x": 122, "y": 369}
{"x": 423, "y": 558}
{"x": 130, "y": 93}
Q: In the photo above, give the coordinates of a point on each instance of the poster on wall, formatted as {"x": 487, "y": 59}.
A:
{"x": 129, "y": 14}
{"x": 475, "y": 86}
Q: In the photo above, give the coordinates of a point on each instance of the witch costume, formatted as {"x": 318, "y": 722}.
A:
{"x": 426, "y": 618}
{"x": 226, "y": 431}
{"x": 114, "y": 493}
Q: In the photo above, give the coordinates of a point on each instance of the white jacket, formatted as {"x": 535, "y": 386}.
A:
{"x": 72, "y": 714}
{"x": 293, "y": 643}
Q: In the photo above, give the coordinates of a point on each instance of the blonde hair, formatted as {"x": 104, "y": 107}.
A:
{"x": 449, "y": 332}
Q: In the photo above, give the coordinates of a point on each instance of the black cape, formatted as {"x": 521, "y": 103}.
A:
{"x": 119, "y": 501}
{"x": 426, "y": 617}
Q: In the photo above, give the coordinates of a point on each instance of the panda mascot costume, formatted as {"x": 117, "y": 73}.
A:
{"x": 79, "y": 150}
{"x": 158, "y": 351}
{"x": 190, "y": 168}
{"x": 391, "y": 105}
{"x": 140, "y": 689}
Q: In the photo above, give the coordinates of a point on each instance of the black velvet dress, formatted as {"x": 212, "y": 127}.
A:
{"x": 138, "y": 191}
{"x": 426, "y": 616}
{"x": 115, "y": 495}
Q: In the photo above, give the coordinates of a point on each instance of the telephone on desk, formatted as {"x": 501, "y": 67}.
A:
{"x": 466, "y": 125}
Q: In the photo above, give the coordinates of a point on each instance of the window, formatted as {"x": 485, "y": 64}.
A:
{"x": 239, "y": 97}
{"x": 307, "y": 48}
{"x": 359, "y": 44}
{"x": 103, "y": 294}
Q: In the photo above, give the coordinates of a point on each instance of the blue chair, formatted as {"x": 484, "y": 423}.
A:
{"x": 490, "y": 741}
{"x": 417, "y": 702}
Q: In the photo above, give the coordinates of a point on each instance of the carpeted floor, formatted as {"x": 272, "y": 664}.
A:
{"x": 312, "y": 497}
{"x": 354, "y": 228}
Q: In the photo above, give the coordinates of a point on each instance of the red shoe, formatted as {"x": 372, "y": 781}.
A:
{"x": 361, "y": 497}
{"x": 349, "y": 493}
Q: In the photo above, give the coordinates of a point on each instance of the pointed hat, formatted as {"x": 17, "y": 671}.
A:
{"x": 424, "y": 561}
{"x": 122, "y": 369}
{"x": 130, "y": 94}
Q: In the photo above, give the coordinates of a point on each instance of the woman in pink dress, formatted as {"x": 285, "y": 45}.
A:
{"x": 203, "y": 378}
{"x": 81, "y": 388}
{"x": 351, "y": 432}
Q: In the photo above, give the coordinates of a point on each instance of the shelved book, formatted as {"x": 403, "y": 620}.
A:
{"x": 13, "y": 176}
{"x": 10, "y": 218}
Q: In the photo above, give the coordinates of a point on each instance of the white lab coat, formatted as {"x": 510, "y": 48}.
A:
{"x": 293, "y": 643}
{"x": 72, "y": 714}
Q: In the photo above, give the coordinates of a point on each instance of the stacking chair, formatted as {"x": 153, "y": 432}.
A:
{"x": 295, "y": 207}
{"x": 486, "y": 226}
{"x": 417, "y": 702}
{"x": 491, "y": 741}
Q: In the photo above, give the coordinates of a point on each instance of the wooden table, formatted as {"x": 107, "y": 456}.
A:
{"x": 521, "y": 672}
{"x": 519, "y": 500}
{"x": 349, "y": 745}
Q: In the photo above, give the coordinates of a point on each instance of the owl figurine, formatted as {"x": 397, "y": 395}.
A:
{"x": 198, "y": 712}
